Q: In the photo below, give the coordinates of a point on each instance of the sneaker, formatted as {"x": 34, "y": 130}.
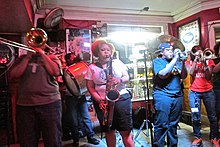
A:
{"x": 215, "y": 142}
{"x": 197, "y": 143}
{"x": 93, "y": 140}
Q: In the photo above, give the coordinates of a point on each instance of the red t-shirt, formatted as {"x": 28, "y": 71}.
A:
{"x": 199, "y": 82}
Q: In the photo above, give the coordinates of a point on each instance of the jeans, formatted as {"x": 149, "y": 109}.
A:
{"x": 168, "y": 112}
{"x": 85, "y": 117}
{"x": 34, "y": 120}
{"x": 195, "y": 105}
{"x": 77, "y": 107}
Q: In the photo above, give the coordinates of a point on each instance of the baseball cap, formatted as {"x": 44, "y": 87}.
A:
{"x": 164, "y": 45}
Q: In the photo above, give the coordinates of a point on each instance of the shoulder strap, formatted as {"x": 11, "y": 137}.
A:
{"x": 98, "y": 64}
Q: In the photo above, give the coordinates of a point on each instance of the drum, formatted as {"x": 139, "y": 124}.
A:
{"x": 74, "y": 76}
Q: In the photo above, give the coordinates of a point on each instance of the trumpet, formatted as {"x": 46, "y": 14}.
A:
{"x": 207, "y": 54}
{"x": 36, "y": 37}
{"x": 182, "y": 57}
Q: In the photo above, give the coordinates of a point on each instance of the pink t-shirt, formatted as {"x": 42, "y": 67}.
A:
{"x": 199, "y": 82}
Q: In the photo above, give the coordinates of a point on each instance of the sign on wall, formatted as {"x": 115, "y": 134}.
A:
{"x": 189, "y": 34}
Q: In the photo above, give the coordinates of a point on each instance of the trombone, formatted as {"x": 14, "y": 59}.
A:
{"x": 36, "y": 37}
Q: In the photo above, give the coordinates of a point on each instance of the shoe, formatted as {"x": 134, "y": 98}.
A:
{"x": 75, "y": 143}
{"x": 93, "y": 140}
{"x": 197, "y": 143}
{"x": 215, "y": 142}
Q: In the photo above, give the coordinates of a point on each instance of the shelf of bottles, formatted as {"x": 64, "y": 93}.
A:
{"x": 138, "y": 80}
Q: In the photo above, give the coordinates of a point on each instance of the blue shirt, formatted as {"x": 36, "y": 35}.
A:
{"x": 170, "y": 86}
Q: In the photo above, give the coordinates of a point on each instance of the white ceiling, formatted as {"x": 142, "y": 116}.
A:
{"x": 156, "y": 7}
{"x": 14, "y": 17}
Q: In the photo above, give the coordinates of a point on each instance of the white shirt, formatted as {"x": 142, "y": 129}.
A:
{"x": 98, "y": 76}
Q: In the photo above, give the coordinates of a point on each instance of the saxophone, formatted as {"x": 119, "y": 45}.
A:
{"x": 112, "y": 95}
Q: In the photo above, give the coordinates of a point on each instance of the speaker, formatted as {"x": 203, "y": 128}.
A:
{"x": 138, "y": 116}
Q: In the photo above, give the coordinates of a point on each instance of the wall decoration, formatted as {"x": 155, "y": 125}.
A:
{"x": 189, "y": 34}
{"x": 78, "y": 41}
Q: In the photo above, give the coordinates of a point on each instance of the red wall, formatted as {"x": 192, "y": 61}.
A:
{"x": 204, "y": 16}
{"x": 30, "y": 11}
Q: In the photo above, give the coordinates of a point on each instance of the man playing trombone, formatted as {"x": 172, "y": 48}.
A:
{"x": 38, "y": 100}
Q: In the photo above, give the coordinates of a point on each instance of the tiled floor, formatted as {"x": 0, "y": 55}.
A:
{"x": 184, "y": 133}
{"x": 185, "y": 136}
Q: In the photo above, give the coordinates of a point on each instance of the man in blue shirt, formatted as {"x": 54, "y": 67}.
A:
{"x": 168, "y": 71}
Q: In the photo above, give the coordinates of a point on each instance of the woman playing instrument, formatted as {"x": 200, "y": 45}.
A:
{"x": 97, "y": 85}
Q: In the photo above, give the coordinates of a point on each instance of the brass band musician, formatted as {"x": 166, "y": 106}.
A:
{"x": 38, "y": 107}
{"x": 168, "y": 71}
{"x": 201, "y": 90}
{"x": 96, "y": 83}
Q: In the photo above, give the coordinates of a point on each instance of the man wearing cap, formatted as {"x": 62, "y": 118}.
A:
{"x": 167, "y": 93}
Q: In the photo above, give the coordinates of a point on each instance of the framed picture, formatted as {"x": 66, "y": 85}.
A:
{"x": 189, "y": 34}
{"x": 78, "y": 40}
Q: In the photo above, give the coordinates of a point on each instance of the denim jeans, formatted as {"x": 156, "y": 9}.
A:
{"x": 195, "y": 105}
{"x": 34, "y": 120}
{"x": 77, "y": 107}
{"x": 168, "y": 112}
{"x": 85, "y": 117}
